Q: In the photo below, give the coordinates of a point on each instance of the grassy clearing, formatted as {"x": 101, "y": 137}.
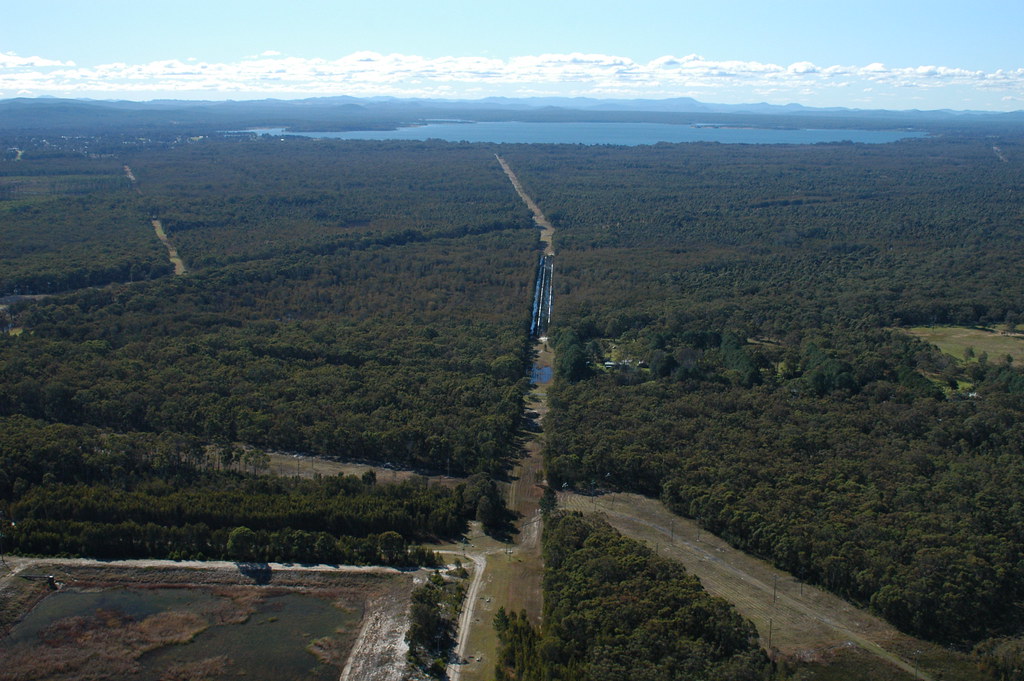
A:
{"x": 300, "y": 466}
{"x": 512, "y": 573}
{"x": 955, "y": 340}
{"x": 482, "y": 641}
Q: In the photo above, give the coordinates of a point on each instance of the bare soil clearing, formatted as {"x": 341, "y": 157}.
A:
{"x": 379, "y": 653}
{"x": 794, "y": 620}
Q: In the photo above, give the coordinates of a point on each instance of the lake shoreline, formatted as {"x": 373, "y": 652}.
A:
{"x": 600, "y": 133}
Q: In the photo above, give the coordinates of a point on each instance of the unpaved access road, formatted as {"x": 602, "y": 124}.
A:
{"x": 466, "y": 616}
{"x": 16, "y": 565}
{"x": 172, "y": 252}
{"x": 794, "y": 619}
{"x": 158, "y": 228}
{"x": 547, "y": 229}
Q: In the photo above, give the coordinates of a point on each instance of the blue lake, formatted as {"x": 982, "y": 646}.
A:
{"x": 628, "y": 134}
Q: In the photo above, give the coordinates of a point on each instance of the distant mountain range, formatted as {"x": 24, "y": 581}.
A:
{"x": 85, "y": 116}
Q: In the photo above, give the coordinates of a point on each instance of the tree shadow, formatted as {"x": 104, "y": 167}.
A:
{"x": 260, "y": 573}
{"x": 504, "y": 527}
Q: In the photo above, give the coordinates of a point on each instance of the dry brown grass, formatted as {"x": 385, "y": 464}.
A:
{"x": 199, "y": 670}
{"x": 236, "y": 604}
{"x": 331, "y": 650}
{"x": 169, "y": 627}
{"x": 105, "y": 645}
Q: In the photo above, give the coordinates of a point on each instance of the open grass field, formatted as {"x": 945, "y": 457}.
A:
{"x": 954, "y": 341}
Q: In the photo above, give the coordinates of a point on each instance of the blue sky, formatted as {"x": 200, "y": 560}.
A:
{"x": 868, "y": 54}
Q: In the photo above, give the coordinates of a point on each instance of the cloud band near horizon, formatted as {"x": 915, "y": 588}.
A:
{"x": 592, "y": 75}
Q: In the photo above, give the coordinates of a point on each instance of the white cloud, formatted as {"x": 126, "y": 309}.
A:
{"x": 9, "y": 60}
{"x": 577, "y": 74}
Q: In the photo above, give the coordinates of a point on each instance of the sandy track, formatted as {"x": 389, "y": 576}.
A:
{"x": 795, "y": 619}
{"x": 172, "y": 252}
{"x": 379, "y": 653}
{"x": 466, "y": 616}
{"x": 547, "y": 229}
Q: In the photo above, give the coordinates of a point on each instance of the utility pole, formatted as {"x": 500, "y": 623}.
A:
{"x": 775, "y": 589}
{"x": 3, "y": 525}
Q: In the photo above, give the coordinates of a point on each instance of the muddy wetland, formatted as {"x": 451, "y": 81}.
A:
{"x": 184, "y": 633}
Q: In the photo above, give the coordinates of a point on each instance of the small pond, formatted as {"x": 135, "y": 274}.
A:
{"x": 255, "y": 634}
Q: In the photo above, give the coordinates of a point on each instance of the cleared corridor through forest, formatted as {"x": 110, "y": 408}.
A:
{"x": 509, "y": 575}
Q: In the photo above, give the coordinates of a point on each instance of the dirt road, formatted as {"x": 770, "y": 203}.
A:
{"x": 466, "y": 617}
{"x": 172, "y": 252}
{"x": 547, "y": 229}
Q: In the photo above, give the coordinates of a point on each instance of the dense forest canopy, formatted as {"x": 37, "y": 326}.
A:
{"x": 362, "y": 301}
{"x": 726, "y": 342}
{"x": 614, "y": 610}
{"x": 726, "y": 318}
